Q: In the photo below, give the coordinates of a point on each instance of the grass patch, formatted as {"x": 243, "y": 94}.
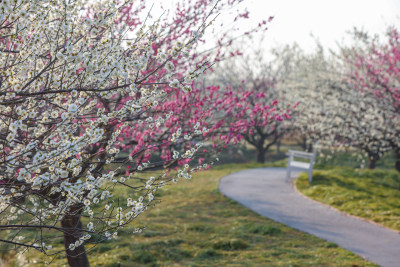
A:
{"x": 234, "y": 244}
{"x": 264, "y": 229}
{"x": 194, "y": 225}
{"x": 371, "y": 194}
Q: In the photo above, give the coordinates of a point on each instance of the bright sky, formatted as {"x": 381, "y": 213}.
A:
{"x": 328, "y": 20}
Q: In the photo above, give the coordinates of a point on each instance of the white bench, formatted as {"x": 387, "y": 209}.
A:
{"x": 292, "y": 164}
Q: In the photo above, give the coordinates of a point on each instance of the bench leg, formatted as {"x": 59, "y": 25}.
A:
{"x": 310, "y": 176}
{"x": 287, "y": 174}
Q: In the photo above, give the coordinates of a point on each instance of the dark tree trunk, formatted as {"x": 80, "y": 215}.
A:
{"x": 304, "y": 144}
{"x": 278, "y": 147}
{"x": 372, "y": 162}
{"x": 260, "y": 155}
{"x": 310, "y": 148}
{"x": 397, "y": 163}
{"x": 76, "y": 257}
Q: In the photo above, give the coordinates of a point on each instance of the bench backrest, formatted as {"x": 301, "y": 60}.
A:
{"x": 306, "y": 155}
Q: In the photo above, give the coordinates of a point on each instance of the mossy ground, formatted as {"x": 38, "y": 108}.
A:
{"x": 194, "y": 225}
{"x": 371, "y": 194}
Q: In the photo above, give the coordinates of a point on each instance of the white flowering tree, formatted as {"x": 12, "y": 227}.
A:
{"x": 308, "y": 79}
{"x": 331, "y": 109}
{"x": 76, "y": 80}
{"x": 363, "y": 124}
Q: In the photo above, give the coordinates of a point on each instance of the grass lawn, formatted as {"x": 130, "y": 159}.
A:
{"x": 351, "y": 159}
{"x": 194, "y": 225}
{"x": 371, "y": 194}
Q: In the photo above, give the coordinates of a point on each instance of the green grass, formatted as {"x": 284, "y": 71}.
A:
{"x": 371, "y": 194}
{"x": 326, "y": 158}
{"x": 194, "y": 225}
{"x": 351, "y": 159}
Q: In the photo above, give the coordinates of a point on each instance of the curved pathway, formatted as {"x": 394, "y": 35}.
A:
{"x": 266, "y": 192}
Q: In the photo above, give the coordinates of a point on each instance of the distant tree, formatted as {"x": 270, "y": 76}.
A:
{"x": 331, "y": 109}
{"x": 255, "y": 78}
{"x": 249, "y": 116}
{"x": 374, "y": 70}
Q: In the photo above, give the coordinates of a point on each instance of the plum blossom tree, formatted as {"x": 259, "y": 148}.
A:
{"x": 374, "y": 70}
{"x": 364, "y": 125}
{"x": 177, "y": 104}
{"x": 308, "y": 79}
{"x": 86, "y": 99}
{"x": 333, "y": 110}
{"x": 252, "y": 80}
{"x": 63, "y": 79}
{"x": 251, "y": 118}
{"x": 228, "y": 114}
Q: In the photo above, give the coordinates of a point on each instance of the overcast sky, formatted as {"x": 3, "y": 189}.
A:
{"x": 328, "y": 20}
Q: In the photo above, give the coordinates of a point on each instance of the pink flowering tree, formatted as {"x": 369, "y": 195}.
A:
{"x": 178, "y": 106}
{"x": 223, "y": 115}
{"x": 257, "y": 102}
{"x": 251, "y": 116}
{"x": 374, "y": 70}
{"x": 88, "y": 95}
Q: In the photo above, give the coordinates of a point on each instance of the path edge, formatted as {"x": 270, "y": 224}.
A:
{"x": 294, "y": 184}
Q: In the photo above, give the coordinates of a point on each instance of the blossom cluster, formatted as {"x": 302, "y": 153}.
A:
{"x": 73, "y": 83}
{"x": 89, "y": 94}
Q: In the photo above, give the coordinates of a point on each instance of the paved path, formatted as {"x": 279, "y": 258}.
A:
{"x": 266, "y": 192}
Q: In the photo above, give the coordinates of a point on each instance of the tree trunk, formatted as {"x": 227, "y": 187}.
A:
{"x": 304, "y": 143}
{"x": 76, "y": 257}
{"x": 398, "y": 187}
{"x": 260, "y": 155}
{"x": 397, "y": 164}
{"x": 310, "y": 148}
{"x": 372, "y": 162}
{"x": 278, "y": 147}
